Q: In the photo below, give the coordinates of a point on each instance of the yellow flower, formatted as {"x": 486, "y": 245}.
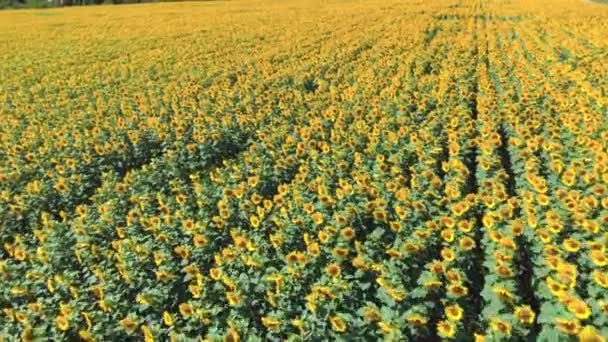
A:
{"x": 568, "y": 326}
{"x": 105, "y": 307}
{"x": 232, "y": 336}
{"x": 61, "y": 185}
{"x": 255, "y": 221}
{"x": 19, "y": 253}
{"x": 26, "y": 336}
{"x": 348, "y": 233}
{"x": 601, "y": 278}
{"x": 86, "y": 336}
{"x": 188, "y": 225}
{"x": 271, "y": 323}
{"x": 337, "y": 324}
{"x": 457, "y": 290}
{"x": 416, "y": 320}
{"x": 18, "y": 291}
{"x": 579, "y": 308}
{"x": 446, "y": 329}
{"x": 466, "y": 243}
{"x": 525, "y": 314}
{"x": 215, "y": 273}
{"x": 555, "y": 287}
{"x": 333, "y": 269}
{"x": 599, "y": 258}
{"x": 148, "y": 335}
{"x": 386, "y": 327}
{"x": 396, "y": 295}
{"x": 253, "y": 181}
{"x": 371, "y": 314}
{"x": 186, "y": 310}
{"x": 128, "y": 324}
{"x": 571, "y": 245}
{"x": 590, "y": 334}
{"x": 504, "y": 271}
{"x": 298, "y": 323}
{"x": 448, "y": 255}
{"x": 167, "y": 319}
{"x": 317, "y": 218}
{"x": 453, "y": 312}
{"x": 62, "y": 322}
{"x": 501, "y": 326}
{"x": 233, "y": 298}
{"x": 447, "y": 235}
{"x": 199, "y": 241}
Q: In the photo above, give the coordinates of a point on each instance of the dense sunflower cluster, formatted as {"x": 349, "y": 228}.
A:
{"x": 293, "y": 170}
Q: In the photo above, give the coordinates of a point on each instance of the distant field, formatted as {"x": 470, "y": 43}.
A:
{"x": 305, "y": 170}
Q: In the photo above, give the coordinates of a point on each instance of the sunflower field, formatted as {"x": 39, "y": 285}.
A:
{"x": 305, "y": 170}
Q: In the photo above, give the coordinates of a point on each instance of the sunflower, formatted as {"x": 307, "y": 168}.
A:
{"x": 215, "y": 273}
{"x": 386, "y": 328}
{"x": 86, "y": 336}
{"x": 600, "y": 278}
{"x": 186, "y": 310}
{"x": 396, "y": 295}
{"x": 271, "y": 323}
{"x": 447, "y": 235}
{"x": 401, "y": 212}
{"x": 453, "y": 312}
{"x": 323, "y": 237}
{"x": 446, "y": 329}
{"x": 232, "y": 336}
{"x": 479, "y": 337}
{"x": 167, "y": 319}
{"x": 457, "y": 290}
{"x": 568, "y": 326}
{"x": 525, "y": 314}
{"x": 466, "y": 243}
{"x": 348, "y": 233}
{"x": 199, "y": 241}
{"x": 571, "y": 245}
{"x": 317, "y": 218}
{"x": 579, "y": 308}
{"x": 19, "y": 254}
{"x": 504, "y": 271}
{"x": 188, "y": 225}
{"x": 411, "y": 247}
{"x": 62, "y": 322}
{"x": 371, "y": 314}
{"x": 508, "y": 243}
{"x": 517, "y": 228}
{"x": 147, "y": 332}
{"x": 453, "y": 276}
{"x": 233, "y": 298}
{"x": 501, "y": 326}
{"x": 340, "y": 252}
{"x": 432, "y": 284}
{"x": 182, "y": 251}
{"x": 61, "y": 185}
{"x": 333, "y": 270}
{"x": 448, "y": 255}
{"x": 254, "y": 221}
{"x": 337, "y": 324}
{"x": 459, "y": 208}
{"x": 299, "y": 323}
{"x": 128, "y": 324}
{"x": 465, "y": 226}
{"x": 416, "y": 320}
{"x": 599, "y": 258}
{"x": 590, "y": 334}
